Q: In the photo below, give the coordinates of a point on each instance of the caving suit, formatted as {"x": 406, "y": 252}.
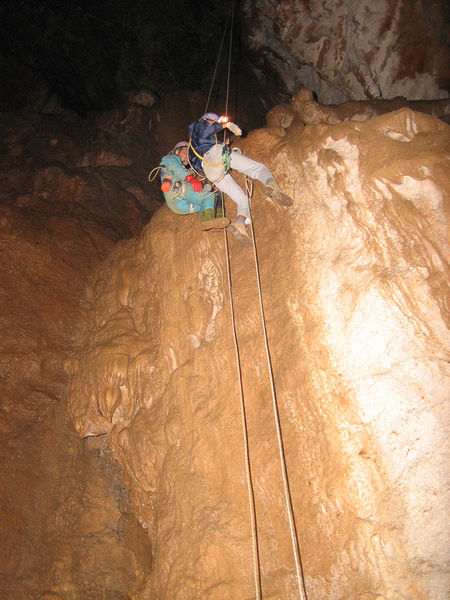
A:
{"x": 210, "y": 156}
{"x": 181, "y": 198}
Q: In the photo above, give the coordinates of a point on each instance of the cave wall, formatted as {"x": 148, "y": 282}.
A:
{"x": 352, "y": 50}
{"x": 66, "y": 530}
{"x": 70, "y": 189}
{"x": 354, "y": 278}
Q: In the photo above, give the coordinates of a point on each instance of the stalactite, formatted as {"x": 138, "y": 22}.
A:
{"x": 357, "y": 64}
{"x": 355, "y": 61}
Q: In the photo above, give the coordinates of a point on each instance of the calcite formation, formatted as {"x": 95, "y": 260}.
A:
{"x": 353, "y": 281}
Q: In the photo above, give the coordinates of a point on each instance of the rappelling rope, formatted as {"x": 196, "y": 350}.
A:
{"x": 229, "y": 68}
{"x": 218, "y": 58}
{"x": 287, "y": 493}
{"x": 225, "y": 162}
{"x": 251, "y": 493}
{"x": 250, "y": 488}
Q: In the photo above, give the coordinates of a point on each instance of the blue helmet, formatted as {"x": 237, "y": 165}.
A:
{"x": 210, "y": 116}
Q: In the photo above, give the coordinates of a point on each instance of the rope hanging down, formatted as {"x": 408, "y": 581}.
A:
{"x": 251, "y": 494}
{"x": 250, "y": 488}
{"x": 287, "y": 492}
{"x": 218, "y": 58}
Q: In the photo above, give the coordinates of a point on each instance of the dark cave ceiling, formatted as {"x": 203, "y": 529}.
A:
{"x": 92, "y": 53}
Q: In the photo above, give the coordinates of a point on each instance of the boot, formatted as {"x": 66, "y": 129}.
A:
{"x": 209, "y": 221}
{"x": 273, "y": 190}
{"x": 240, "y": 233}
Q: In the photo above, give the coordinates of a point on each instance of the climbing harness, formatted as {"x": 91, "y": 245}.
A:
{"x": 225, "y": 162}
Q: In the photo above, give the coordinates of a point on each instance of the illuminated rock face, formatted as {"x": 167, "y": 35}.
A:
{"x": 353, "y": 49}
{"x": 353, "y": 282}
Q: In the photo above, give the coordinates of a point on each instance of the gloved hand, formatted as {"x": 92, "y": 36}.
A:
{"x": 197, "y": 185}
{"x": 234, "y": 128}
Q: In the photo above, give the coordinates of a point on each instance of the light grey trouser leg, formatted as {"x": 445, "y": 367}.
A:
{"x": 214, "y": 169}
{"x": 250, "y": 167}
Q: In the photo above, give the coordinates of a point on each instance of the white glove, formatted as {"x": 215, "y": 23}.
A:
{"x": 234, "y": 128}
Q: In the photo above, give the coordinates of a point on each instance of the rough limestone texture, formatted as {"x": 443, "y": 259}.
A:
{"x": 354, "y": 281}
{"x": 65, "y": 200}
{"x": 352, "y": 49}
{"x": 70, "y": 189}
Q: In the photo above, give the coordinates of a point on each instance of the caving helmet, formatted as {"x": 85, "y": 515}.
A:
{"x": 210, "y": 116}
{"x": 180, "y": 145}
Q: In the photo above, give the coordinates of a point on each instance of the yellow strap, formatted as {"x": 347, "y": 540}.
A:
{"x": 213, "y": 181}
{"x": 201, "y": 157}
